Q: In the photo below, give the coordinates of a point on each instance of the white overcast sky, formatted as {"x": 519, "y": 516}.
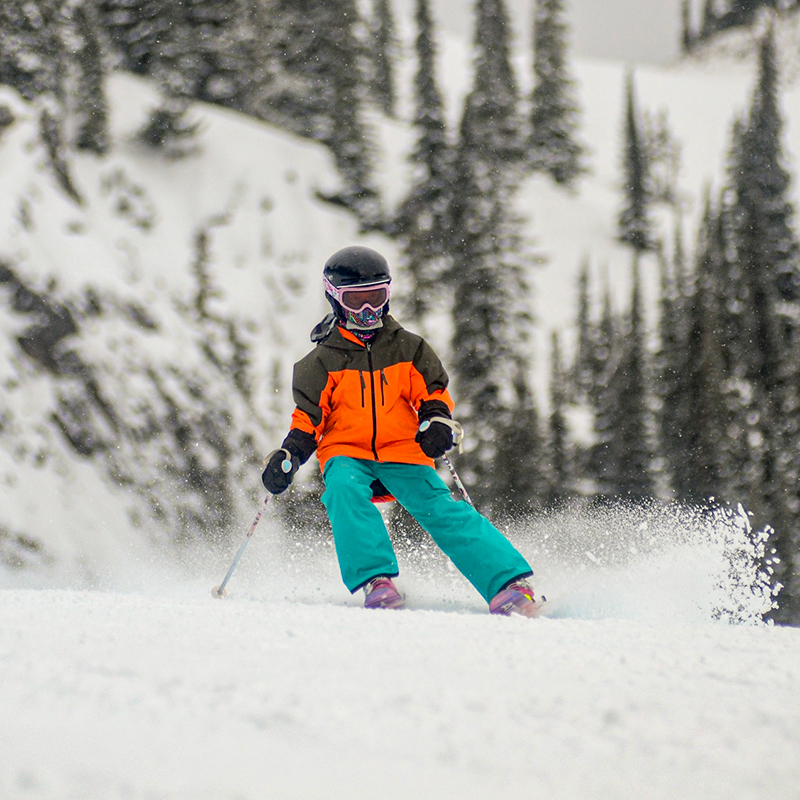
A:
{"x": 635, "y": 31}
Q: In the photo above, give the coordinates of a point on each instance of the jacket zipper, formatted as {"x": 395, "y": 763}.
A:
{"x": 384, "y": 382}
{"x": 374, "y": 403}
{"x": 363, "y": 387}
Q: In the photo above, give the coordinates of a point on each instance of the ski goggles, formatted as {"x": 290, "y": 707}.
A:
{"x": 357, "y": 298}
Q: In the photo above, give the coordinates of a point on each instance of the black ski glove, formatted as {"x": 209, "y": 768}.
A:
{"x": 436, "y": 430}
{"x": 282, "y": 464}
{"x": 280, "y": 470}
{"x": 435, "y": 438}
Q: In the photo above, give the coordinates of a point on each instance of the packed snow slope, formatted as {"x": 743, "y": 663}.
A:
{"x": 636, "y": 685}
{"x": 288, "y": 689}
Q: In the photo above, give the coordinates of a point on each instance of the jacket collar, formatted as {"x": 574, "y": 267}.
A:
{"x": 330, "y": 334}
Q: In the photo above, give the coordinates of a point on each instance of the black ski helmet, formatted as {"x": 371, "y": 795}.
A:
{"x": 356, "y": 266}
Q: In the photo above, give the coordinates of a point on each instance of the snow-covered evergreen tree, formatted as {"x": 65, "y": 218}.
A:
{"x": 634, "y": 223}
{"x": 688, "y": 32}
{"x": 520, "y": 485}
{"x": 672, "y": 368}
{"x": 624, "y": 457}
{"x": 492, "y": 104}
{"x": 31, "y": 48}
{"x": 767, "y": 275}
{"x": 135, "y": 28}
{"x": 491, "y": 317}
{"x": 423, "y": 219}
{"x": 554, "y": 148}
{"x": 383, "y": 44}
{"x": 88, "y": 96}
{"x": 560, "y": 468}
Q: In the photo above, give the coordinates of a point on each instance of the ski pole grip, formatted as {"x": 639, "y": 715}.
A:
{"x": 455, "y": 427}
{"x": 286, "y": 464}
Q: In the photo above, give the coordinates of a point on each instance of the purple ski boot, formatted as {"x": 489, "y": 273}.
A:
{"x": 516, "y": 597}
{"x": 381, "y": 593}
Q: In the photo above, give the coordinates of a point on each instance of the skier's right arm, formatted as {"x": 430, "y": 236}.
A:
{"x": 309, "y": 382}
{"x": 281, "y": 464}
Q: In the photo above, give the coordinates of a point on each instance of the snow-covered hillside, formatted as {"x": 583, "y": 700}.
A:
{"x": 146, "y": 341}
{"x": 162, "y": 314}
{"x": 186, "y": 278}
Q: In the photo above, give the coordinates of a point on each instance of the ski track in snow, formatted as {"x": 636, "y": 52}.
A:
{"x": 151, "y": 689}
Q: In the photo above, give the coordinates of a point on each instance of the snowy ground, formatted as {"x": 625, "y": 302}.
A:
{"x": 288, "y": 689}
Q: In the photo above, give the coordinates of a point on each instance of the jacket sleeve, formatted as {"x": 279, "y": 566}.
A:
{"x": 309, "y": 383}
{"x": 429, "y": 379}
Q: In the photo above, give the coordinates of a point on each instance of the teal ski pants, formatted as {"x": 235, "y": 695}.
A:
{"x": 478, "y": 550}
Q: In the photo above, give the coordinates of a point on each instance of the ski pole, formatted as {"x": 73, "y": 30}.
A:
{"x": 219, "y": 591}
{"x": 459, "y": 484}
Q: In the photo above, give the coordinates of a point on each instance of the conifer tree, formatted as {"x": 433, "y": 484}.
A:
{"x": 604, "y": 399}
{"x": 583, "y": 372}
{"x": 743, "y": 12}
{"x": 560, "y": 488}
{"x": 33, "y": 60}
{"x": 491, "y": 318}
{"x": 31, "y": 48}
{"x": 710, "y": 23}
{"x": 722, "y": 302}
{"x": 217, "y": 43}
{"x": 91, "y": 108}
{"x": 423, "y": 219}
{"x": 519, "y": 484}
{"x": 168, "y": 126}
{"x": 633, "y": 449}
{"x": 327, "y": 56}
{"x": 624, "y": 453}
{"x": 672, "y": 367}
{"x": 384, "y": 44}
{"x": 701, "y": 474}
{"x": 634, "y": 224}
{"x": 554, "y": 115}
{"x": 490, "y": 339}
{"x": 662, "y": 156}
{"x": 768, "y": 256}
{"x": 688, "y": 33}
{"x": 348, "y": 136}
{"x": 135, "y": 28}
{"x": 492, "y": 104}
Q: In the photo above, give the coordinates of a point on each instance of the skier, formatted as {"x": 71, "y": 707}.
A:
{"x": 372, "y": 400}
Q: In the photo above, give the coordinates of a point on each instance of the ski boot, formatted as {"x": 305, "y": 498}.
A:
{"x": 516, "y": 597}
{"x": 381, "y": 593}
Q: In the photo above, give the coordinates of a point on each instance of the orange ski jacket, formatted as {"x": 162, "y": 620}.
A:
{"x": 362, "y": 400}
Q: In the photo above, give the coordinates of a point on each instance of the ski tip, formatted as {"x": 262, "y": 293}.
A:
{"x": 218, "y": 593}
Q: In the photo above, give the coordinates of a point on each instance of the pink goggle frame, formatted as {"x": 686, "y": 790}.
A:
{"x": 356, "y": 298}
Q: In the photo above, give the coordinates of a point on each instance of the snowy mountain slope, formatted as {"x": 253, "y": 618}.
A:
{"x": 633, "y": 688}
{"x": 163, "y": 694}
{"x": 288, "y": 689}
{"x": 208, "y": 266}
